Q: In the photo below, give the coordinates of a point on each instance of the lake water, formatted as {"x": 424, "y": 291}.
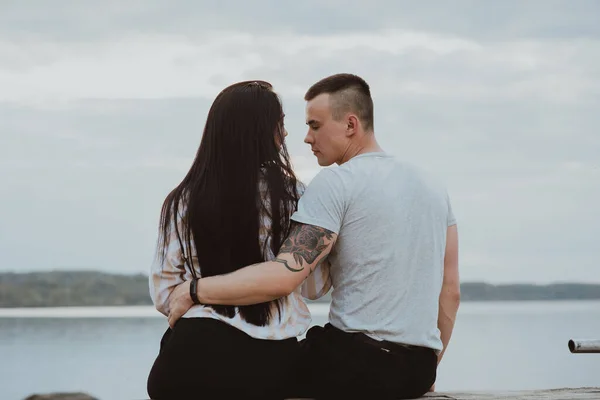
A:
{"x": 108, "y": 352}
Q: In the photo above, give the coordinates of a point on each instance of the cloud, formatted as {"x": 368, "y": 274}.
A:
{"x": 396, "y": 62}
{"x": 76, "y": 21}
{"x": 102, "y": 110}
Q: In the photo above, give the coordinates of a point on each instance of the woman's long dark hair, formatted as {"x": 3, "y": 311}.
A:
{"x": 242, "y": 146}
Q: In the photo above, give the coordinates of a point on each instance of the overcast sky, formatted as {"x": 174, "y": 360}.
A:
{"x": 102, "y": 105}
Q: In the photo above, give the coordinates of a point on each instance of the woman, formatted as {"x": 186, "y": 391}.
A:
{"x": 232, "y": 209}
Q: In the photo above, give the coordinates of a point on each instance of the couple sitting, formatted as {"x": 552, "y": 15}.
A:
{"x": 243, "y": 243}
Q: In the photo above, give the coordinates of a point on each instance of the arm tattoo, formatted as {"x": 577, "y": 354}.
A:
{"x": 305, "y": 243}
{"x": 285, "y": 263}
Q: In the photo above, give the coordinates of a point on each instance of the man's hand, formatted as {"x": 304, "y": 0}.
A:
{"x": 179, "y": 302}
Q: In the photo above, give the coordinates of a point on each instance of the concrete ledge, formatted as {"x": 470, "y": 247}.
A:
{"x": 61, "y": 396}
{"x": 591, "y": 393}
{"x": 587, "y": 393}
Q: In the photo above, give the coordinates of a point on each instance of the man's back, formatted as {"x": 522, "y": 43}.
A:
{"x": 387, "y": 263}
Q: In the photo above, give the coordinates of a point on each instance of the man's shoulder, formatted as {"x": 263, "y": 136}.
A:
{"x": 331, "y": 182}
{"x": 330, "y": 175}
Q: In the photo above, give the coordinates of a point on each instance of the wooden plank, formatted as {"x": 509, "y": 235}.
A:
{"x": 591, "y": 393}
{"x": 552, "y": 394}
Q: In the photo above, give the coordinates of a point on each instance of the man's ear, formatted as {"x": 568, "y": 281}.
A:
{"x": 352, "y": 126}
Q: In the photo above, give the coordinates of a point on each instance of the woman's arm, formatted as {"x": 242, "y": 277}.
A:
{"x": 166, "y": 274}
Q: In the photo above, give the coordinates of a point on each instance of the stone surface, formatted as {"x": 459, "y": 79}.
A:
{"x": 553, "y": 394}
{"x": 61, "y": 396}
{"x": 591, "y": 393}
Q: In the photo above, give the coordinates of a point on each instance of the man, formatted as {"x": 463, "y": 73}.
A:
{"x": 390, "y": 237}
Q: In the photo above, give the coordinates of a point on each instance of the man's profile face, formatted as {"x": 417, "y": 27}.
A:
{"x": 326, "y": 136}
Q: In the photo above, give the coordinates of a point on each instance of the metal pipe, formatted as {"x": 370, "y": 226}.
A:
{"x": 584, "y": 346}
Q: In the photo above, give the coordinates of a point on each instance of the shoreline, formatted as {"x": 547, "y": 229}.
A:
{"x": 107, "y": 312}
{"x": 316, "y": 308}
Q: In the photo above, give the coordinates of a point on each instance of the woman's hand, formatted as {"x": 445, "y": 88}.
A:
{"x": 179, "y": 302}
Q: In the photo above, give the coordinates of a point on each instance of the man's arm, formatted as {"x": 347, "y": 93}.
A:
{"x": 316, "y": 224}
{"x": 450, "y": 294}
{"x": 318, "y": 283}
{"x": 302, "y": 251}
{"x": 305, "y": 247}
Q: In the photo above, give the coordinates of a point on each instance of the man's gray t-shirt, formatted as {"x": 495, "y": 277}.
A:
{"x": 387, "y": 264}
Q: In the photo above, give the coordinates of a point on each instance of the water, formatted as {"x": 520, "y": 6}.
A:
{"x": 107, "y": 352}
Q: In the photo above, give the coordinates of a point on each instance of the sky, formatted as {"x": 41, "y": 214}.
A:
{"x": 102, "y": 106}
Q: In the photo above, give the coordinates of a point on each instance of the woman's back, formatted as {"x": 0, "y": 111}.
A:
{"x": 292, "y": 317}
{"x": 232, "y": 209}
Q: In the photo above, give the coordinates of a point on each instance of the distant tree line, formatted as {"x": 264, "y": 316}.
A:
{"x": 557, "y": 291}
{"x": 90, "y": 288}
{"x": 72, "y": 288}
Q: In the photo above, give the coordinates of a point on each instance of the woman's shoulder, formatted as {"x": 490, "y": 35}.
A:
{"x": 291, "y": 181}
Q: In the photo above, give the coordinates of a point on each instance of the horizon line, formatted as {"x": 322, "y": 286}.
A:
{"x": 42, "y": 271}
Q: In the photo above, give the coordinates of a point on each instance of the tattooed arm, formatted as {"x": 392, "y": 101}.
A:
{"x": 318, "y": 219}
{"x": 318, "y": 282}
{"x": 302, "y": 251}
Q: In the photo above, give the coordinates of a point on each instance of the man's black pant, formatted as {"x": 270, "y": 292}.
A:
{"x": 344, "y": 365}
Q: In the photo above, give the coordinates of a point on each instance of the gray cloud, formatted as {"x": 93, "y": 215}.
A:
{"x": 103, "y": 109}
{"x": 73, "y": 20}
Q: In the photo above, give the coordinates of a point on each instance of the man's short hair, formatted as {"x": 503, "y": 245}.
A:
{"x": 349, "y": 93}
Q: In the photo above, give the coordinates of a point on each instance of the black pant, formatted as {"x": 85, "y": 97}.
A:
{"x": 203, "y": 358}
{"x": 352, "y": 366}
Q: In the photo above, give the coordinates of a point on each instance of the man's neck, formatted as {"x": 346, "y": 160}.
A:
{"x": 368, "y": 145}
